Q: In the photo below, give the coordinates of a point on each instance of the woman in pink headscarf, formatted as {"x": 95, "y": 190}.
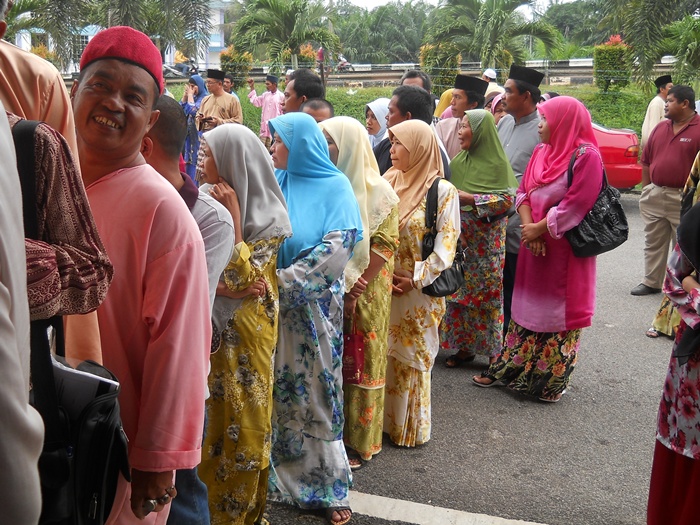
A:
{"x": 554, "y": 295}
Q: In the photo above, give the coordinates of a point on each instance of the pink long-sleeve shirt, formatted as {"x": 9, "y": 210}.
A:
{"x": 271, "y": 104}
{"x": 154, "y": 323}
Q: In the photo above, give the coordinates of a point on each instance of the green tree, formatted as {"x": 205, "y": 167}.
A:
{"x": 642, "y": 25}
{"x": 683, "y": 41}
{"x": 398, "y": 30}
{"x": 59, "y": 19}
{"x": 491, "y": 31}
{"x": 284, "y": 25}
{"x": 181, "y": 23}
{"x": 184, "y": 24}
{"x": 578, "y": 22}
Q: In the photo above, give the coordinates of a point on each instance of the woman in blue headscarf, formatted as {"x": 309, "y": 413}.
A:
{"x": 195, "y": 91}
{"x": 309, "y": 467}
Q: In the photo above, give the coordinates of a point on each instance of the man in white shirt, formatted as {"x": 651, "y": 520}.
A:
{"x": 655, "y": 109}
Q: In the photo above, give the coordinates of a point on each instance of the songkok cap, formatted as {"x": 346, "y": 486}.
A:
{"x": 127, "y": 44}
{"x": 272, "y": 78}
{"x": 468, "y": 83}
{"x": 663, "y": 80}
{"x": 216, "y": 74}
{"x": 526, "y": 74}
{"x": 491, "y": 73}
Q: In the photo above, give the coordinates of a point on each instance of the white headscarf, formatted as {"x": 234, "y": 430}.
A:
{"x": 380, "y": 108}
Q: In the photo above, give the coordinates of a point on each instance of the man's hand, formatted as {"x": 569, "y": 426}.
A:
{"x": 150, "y": 487}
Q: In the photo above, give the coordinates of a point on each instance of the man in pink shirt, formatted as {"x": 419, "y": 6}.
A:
{"x": 271, "y": 104}
{"x": 154, "y": 323}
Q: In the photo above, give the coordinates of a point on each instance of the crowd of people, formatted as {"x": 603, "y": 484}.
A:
{"x": 216, "y": 271}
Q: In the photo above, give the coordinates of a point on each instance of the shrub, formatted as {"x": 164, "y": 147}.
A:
{"x": 611, "y": 65}
{"x": 237, "y": 64}
{"x": 441, "y": 63}
{"x": 44, "y": 52}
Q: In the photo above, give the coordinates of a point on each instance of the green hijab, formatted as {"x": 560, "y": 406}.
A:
{"x": 484, "y": 167}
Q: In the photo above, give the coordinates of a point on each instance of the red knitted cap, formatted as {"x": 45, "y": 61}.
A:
{"x": 128, "y": 44}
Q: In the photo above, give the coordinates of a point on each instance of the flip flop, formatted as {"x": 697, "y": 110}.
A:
{"x": 331, "y": 510}
{"x": 653, "y": 333}
{"x": 486, "y": 375}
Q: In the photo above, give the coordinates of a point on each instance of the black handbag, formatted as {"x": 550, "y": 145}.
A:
{"x": 604, "y": 228}
{"x": 451, "y": 279}
{"x": 85, "y": 447}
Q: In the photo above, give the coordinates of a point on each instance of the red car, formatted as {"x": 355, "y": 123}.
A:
{"x": 620, "y": 150}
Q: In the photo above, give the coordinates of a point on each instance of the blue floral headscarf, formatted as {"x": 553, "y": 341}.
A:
{"x": 319, "y": 196}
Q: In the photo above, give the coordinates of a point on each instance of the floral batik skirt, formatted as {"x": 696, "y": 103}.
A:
{"x": 407, "y": 404}
{"x": 308, "y": 472}
{"x": 537, "y": 363}
{"x": 667, "y": 318}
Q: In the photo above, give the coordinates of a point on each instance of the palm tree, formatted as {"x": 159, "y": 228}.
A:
{"x": 59, "y": 19}
{"x": 181, "y": 23}
{"x": 167, "y": 22}
{"x": 491, "y": 31}
{"x": 284, "y": 25}
{"x": 683, "y": 41}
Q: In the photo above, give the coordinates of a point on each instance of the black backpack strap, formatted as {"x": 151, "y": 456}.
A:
{"x": 431, "y": 206}
{"x": 23, "y": 136}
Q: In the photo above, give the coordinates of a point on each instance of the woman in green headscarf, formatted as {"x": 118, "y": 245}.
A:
{"x": 486, "y": 185}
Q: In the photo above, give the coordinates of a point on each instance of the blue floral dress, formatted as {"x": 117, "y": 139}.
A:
{"x": 309, "y": 467}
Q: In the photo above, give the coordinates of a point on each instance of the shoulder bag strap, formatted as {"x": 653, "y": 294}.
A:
{"x": 23, "y": 136}
{"x": 431, "y": 206}
{"x": 43, "y": 387}
{"x": 570, "y": 173}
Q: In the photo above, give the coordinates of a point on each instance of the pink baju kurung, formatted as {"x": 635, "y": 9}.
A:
{"x": 566, "y": 299}
{"x": 154, "y": 323}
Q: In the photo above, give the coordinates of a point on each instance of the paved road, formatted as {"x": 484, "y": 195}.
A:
{"x": 584, "y": 461}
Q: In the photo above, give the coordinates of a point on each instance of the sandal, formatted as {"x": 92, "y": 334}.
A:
{"x": 653, "y": 333}
{"x": 455, "y": 361}
{"x": 485, "y": 375}
{"x": 554, "y": 399}
{"x": 336, "y": 510}
{"x": 354, "y": 459}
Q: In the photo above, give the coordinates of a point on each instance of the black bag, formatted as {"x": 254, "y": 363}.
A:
{"x": 451, "y": 279}
{"x": 604, "y": 228}
{"x": 85, "y": 447}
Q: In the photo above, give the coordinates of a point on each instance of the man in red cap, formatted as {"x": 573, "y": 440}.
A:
{"x": 155, "y": 322}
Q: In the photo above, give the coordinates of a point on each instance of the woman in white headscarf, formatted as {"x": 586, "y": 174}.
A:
{"x": 375, "y": 116}
{"x": 236, "y": 451}
{"x": 368, "y": 278}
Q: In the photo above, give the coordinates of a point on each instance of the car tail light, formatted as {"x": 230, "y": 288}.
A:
{"x": 632, "y": 151}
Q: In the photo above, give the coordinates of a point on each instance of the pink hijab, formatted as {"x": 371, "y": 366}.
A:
{"x": 569, "y": 126}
